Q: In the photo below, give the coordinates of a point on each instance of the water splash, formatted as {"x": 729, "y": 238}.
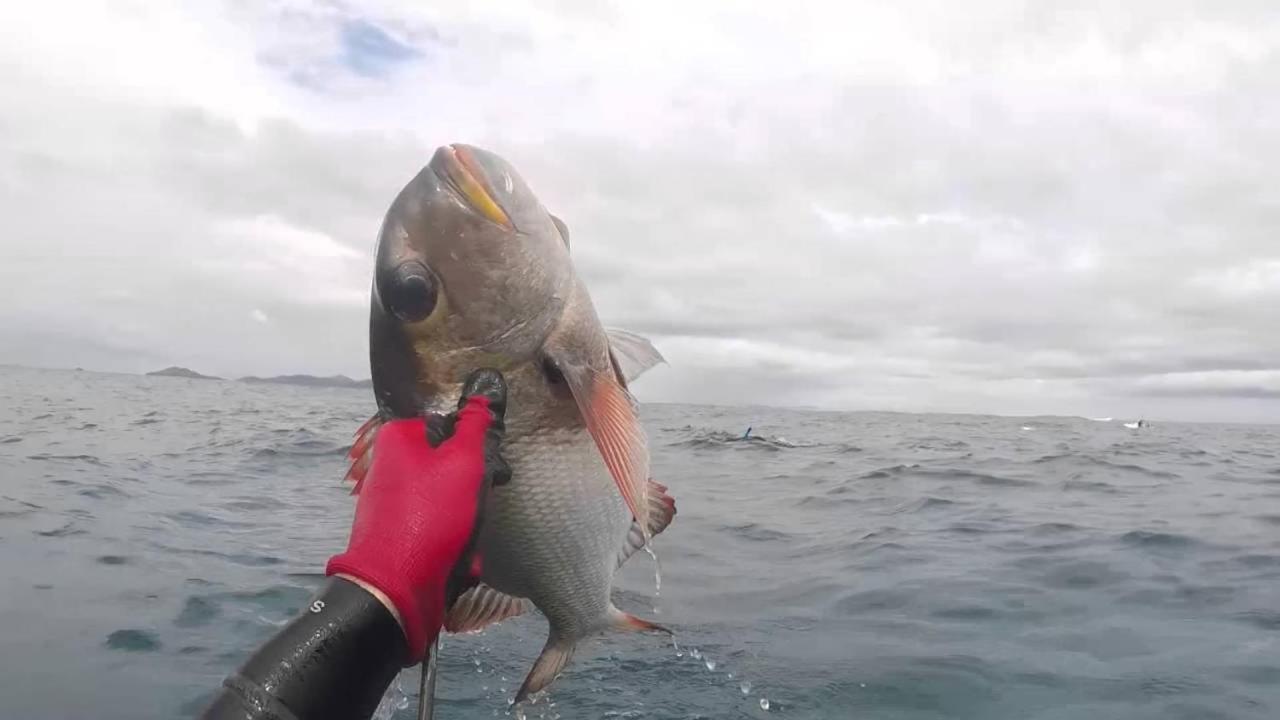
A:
{"x": 657, "y": 576}
{"x": 394, "y": 700}
{"x": 764, "y": 703}
{"x": 745, "y": 687}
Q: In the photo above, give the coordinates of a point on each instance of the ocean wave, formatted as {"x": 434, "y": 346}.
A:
{"x": 1076, "y": 460}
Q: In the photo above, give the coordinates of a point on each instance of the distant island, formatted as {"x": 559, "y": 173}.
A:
{"x": 338, "y": 381}
{"x": 181, "y": 372}
{"x": 332, "y": 381}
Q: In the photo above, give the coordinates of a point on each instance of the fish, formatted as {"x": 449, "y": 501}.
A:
{"x": 471, "y": 270}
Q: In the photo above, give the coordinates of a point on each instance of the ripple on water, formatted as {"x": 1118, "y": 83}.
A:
{"x": 86, "y": 459}
{"x": 260, "y": 503}
{"x": 872, "y": 601}
{"x": 1075, "y": 460}
{"x": 102, "y": 491}
{"x": 970, "y": 613}
{"x": 196, "y": 611}
{"x": 757, "y": 533}
{"x": 1074, "y": 574}
{"x": 246, "y": 559}
{"x": 926, "y": 503}
{"x": 130, "y": 640}
{"x": 112, "y": 560}
{"x": 195, "y": 520}
{"x": 1098, "y": 486}
{"x": 66, "y": 530}
{"x": 1158, "y": 540}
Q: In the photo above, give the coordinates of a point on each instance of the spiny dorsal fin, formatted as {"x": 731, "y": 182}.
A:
{"x": 361, "y": 452}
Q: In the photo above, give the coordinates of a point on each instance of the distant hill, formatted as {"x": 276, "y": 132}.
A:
{"x": 181, "y": 372}
{"x": 338, "y": 381}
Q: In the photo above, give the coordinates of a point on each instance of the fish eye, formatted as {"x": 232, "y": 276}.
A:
{"x": 551, "y": 371}
{"x": 411, "y": 292}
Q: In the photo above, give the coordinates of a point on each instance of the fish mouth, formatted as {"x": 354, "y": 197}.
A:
{"x": 457, "y": 166}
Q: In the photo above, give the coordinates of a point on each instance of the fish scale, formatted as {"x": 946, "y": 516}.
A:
{"x": 554, "y": 532}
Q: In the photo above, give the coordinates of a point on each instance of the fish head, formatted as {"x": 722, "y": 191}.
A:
{"x": 471, "y": 271}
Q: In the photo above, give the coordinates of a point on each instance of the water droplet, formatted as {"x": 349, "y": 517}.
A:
{"x": 764, "y": 703}
{"x": 657, "y": 573}
{"x": 745, "y": 687}
{"x": 711, "y": 664}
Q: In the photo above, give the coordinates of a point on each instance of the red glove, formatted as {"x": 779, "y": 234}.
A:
{"x": 417, "y": 516}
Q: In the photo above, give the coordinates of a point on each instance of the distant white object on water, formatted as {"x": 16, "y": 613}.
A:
{"x": 1106, "y": 419}
{"x": 1132, "y": 425}
{"x": 1027, "y": 427}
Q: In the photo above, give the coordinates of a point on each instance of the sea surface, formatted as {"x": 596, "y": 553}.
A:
{"x": 846, "y": 565}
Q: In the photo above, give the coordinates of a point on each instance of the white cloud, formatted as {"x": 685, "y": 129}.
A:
{"x": 985, "y": 206}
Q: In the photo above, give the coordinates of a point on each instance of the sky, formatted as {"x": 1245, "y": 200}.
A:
{"x": 997, "y": 207}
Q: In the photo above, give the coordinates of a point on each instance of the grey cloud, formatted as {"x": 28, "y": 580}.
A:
{"x": 1247, "y": 393}
{"x": 1057, "y": 210}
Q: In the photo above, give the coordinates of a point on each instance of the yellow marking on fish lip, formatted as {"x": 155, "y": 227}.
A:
{"x": 466, "y": 175}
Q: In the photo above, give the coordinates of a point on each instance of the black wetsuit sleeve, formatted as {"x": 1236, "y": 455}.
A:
{"x": 333, "y": 661}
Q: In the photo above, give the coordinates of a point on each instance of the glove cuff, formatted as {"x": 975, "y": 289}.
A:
{"x": 418, "y": 611}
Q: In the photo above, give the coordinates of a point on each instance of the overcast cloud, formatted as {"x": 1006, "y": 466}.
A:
{"x": 982, "y": 206}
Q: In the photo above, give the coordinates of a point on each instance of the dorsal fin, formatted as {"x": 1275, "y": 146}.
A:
{"x": 564, "y": 230}
{"x": 632, "y": 354}
{"x": 361, "y": 452}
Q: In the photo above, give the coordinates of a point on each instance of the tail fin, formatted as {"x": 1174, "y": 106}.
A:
{"x": 555, "y": 655}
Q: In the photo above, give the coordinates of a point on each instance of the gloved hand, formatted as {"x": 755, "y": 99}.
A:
{"x": 418, "y": 512}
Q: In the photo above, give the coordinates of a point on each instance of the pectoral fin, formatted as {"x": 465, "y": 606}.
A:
{"x": 610, "y": 417}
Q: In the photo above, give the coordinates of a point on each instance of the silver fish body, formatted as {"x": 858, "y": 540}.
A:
{"x": 472, "y": 271}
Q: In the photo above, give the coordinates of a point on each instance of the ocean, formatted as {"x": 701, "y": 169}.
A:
{"x": 846, "y": 565}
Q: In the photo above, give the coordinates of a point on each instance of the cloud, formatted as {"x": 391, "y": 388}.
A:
{"x": 992, "y": 207}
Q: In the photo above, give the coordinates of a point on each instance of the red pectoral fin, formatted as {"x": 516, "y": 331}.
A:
{"x": 610, "y": 417}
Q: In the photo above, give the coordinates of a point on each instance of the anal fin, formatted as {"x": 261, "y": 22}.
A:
{"x": 480, "y": 607}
